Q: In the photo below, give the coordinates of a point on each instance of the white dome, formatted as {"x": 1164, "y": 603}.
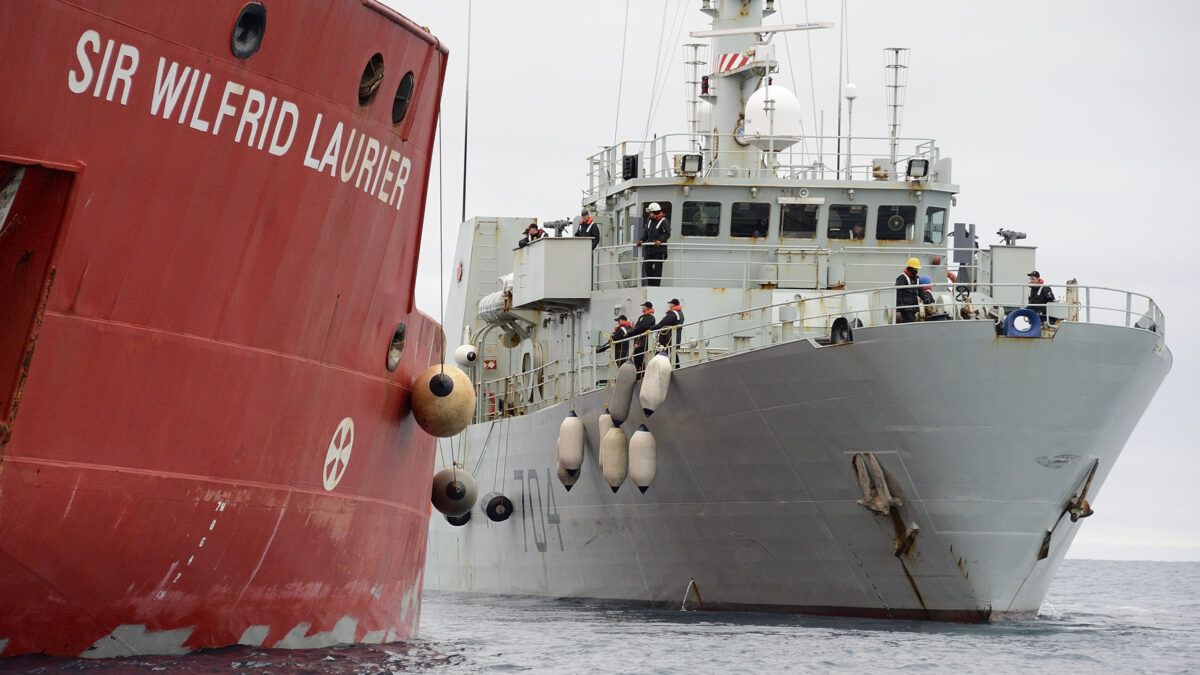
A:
{"x": 787, "y": 118}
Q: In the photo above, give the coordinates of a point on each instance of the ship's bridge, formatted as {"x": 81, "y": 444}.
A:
{"x": 790, "y": 221}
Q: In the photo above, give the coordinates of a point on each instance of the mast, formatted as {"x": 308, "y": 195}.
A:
{"x": 694, "y": 91}
{"x": 742, "y": 59}
{"x": 897, "y": 77}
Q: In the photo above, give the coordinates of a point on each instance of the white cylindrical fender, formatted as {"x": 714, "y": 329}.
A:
{"x": 570, "y": 443}
{"x": 614, "y": 457}
{"x": 466, "y": 356}
{"x": 643, "y": 458}
{"x": 443, "y": 402}
{"x": 568, "y": 480}
{"x": 454, "y": 491}
{"x": 655, "y": 383}
{"x": 623, "y": 393}
{"x": 605, "y": 423}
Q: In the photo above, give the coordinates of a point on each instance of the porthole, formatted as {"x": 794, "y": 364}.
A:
{"x": 396, "y": 348}
{"x": 248, "y": 30}
{"x": 403, "y": 97}
{"x": 372, "y": 77}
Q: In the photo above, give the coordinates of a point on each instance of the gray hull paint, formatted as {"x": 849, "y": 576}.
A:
{"x": 984, "y": 439}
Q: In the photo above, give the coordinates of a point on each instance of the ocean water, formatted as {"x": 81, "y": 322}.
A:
{"x": 1099, "y": 617}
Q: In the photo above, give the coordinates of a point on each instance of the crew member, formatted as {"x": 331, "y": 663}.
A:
{"x": 673, "y": 317}
{"x": 588, "y": 228}
{"x": 618, "y": 336}
{"x": 644, "y": 325}
{"x": 907, "y": 292}
{"x": 1039, "y": 294}
{"x": 657, "y": 230}
{"x": 532, "y": 234}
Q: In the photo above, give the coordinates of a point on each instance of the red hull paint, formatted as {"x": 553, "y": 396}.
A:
{"x": 187, "y": 317}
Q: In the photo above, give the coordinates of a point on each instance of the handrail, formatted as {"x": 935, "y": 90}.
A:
{"x": 809, "y": 318}
{"x": 804, "y": 159}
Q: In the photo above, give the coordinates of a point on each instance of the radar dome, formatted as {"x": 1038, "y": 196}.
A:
{"x": 786, "y": 125}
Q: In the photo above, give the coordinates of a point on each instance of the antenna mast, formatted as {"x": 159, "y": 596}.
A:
{"x": 897, "y": 77}
{"x": 694, "y": 62}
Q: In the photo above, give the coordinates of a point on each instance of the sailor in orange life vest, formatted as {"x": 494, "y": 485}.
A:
{"x": 673, "y": 317}
{"x": 619, "y": 333}
{"x": 588, "y": 228}
{"x": 1039, "y": 294}
{"x": 657, "y": 230}
{"x": 907, "y": 292}
{"x": 532, "y": 234}
{"x": 645, "y": 324}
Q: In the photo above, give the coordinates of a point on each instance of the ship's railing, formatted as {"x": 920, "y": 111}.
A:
{"x": 802, "y": 318}
{"x": 814, "y": 318}
{"x": 794, "y": 157}
{"x": 758, "y": 265}
{"x": 521, "y": 392}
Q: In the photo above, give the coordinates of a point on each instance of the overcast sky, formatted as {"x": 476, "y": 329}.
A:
{"x": 1068, "y": 120}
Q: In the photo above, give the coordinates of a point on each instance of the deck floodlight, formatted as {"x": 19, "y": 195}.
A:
{"x": 918, "y": 168}
{"x": 689, "y": 165}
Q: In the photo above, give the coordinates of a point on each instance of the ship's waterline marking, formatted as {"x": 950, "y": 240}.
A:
{"x": 338, "y": 454}
{"x": 162, "y": 593}
{"x": 107, "y": 70}
{"x": 411, "y": 510}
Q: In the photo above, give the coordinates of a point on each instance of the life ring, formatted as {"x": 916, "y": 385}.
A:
{"x": 532, "y": 375}
{"x": 1023, "y": 323}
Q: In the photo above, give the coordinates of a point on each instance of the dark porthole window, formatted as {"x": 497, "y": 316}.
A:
{"x": 749, "y": 219}
{"x": 701, "y": 219}
{"x": 935, "y": 225}
{"x": 799, "y": 221}
{"x": 372, "y": 77}
{"x": 403, "y": 97}
{"x": 847, "y": 221}
{"x": 248, "y": 30}
{"x": 396, "y": 348}
{"x": 895, "y": 223}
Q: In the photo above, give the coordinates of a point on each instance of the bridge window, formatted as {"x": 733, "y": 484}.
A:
{"x": 701, "y": 219}
{"x": 935, "y": 225}
{"x": 749, "y": 219}
{"x": 799, "y": 221}
{"x": 895, "y": 222}
{"x": 843, "y": 218}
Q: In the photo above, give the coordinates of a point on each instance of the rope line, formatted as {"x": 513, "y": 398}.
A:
{"x": 621, "y": 76}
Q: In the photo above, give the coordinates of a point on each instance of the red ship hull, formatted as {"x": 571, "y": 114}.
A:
{"x": 203, "y": 262}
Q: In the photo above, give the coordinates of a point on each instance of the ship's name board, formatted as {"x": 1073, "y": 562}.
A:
{"x": 188, "y": 95}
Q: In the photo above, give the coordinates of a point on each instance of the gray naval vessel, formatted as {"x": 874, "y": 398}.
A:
{"x": 795, "y": 445}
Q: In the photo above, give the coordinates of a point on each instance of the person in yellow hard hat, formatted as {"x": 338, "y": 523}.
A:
{"x": 908, "y": 289}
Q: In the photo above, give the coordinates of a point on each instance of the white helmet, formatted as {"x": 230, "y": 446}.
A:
{"x": 653, "y": 207}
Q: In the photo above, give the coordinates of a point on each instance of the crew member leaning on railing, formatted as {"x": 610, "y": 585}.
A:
{"x": 618, "y": 338}
{"x": 673, "y": 317}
